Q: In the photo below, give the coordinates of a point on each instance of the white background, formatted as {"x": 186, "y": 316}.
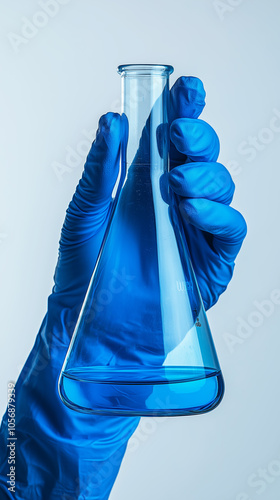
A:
{"x": 55, "y": 86}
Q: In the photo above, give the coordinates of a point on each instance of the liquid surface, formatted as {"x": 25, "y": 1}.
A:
{"x": 152, "y": 391}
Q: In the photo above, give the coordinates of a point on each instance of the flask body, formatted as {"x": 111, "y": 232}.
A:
{"x": 142, "y": 344}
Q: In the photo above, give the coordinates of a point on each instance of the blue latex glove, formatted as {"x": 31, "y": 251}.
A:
{"x": 66, "y": 455}
{"x": 214, "y": 230}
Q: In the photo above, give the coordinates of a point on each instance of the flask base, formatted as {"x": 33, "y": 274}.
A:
{"x": 153, "y": 391}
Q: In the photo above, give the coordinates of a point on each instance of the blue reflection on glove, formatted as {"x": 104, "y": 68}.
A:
{"x": 62, "y": 454}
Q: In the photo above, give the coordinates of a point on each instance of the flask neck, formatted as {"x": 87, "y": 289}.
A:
{"x": 145, "y": 94}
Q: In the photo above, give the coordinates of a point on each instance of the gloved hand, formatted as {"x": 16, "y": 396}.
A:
{"x": 214, "y": 230}
{"x": 66, "y": 455}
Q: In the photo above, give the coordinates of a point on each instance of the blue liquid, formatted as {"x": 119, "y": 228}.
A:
{"x": 164, "y": 390}
{"x": 136, "y": 318}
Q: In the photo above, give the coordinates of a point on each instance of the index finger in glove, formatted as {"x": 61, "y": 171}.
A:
{"x": 186, "y": 99}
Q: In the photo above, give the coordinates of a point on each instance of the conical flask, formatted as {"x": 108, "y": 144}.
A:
{"x": 142, "y": 344}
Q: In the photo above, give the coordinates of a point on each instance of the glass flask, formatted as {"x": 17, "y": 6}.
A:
{"x": 142, "y": 344}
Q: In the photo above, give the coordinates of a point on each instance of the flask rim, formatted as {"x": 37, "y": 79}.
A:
{"x": 145, "y": 69}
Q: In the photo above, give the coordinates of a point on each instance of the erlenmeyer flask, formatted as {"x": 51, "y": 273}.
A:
{"x": 142, "y": 344}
